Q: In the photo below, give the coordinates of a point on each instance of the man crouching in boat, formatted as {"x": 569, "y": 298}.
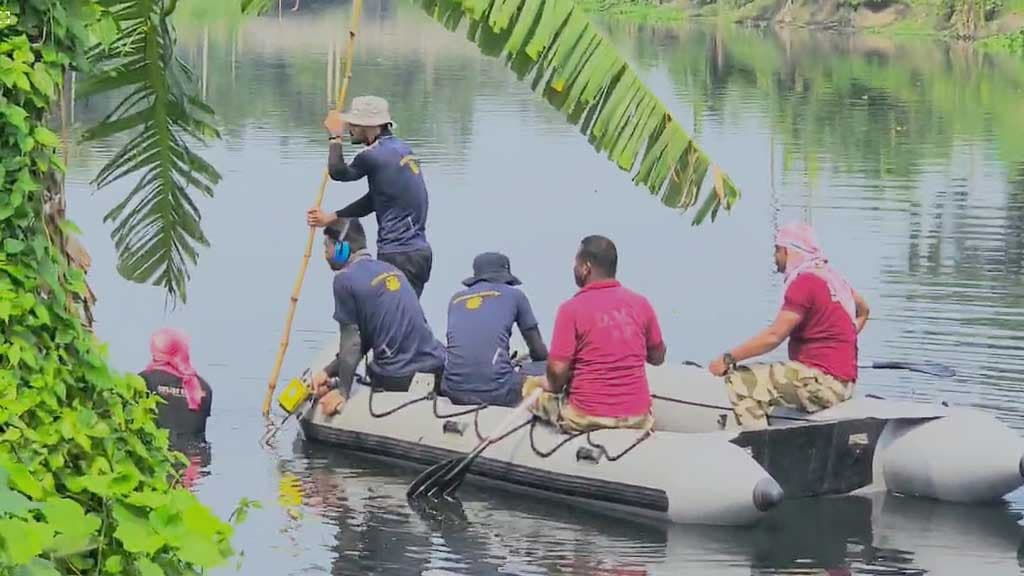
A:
{"x": 821, "y": 315}
{"x": 602, "y": 337}
{"x": 377, "y": 310}
{"x": 480, "y": 319}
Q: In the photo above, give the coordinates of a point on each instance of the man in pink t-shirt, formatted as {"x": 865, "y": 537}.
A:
{"x": 822, "y": 316}
{"x": 602, "y": 337}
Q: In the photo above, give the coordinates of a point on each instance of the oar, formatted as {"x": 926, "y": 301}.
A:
{"x": 930, "y": 368}
{"x": 445, "y": 478}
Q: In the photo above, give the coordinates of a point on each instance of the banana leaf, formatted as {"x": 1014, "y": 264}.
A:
{"x": 580, "y": 73}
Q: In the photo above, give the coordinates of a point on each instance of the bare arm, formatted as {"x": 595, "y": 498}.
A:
{"x": 769, "y": 338}
{"x": 559, "y": 372}
{"x": 863, "y": 311}
{"x": 656, "y": 354}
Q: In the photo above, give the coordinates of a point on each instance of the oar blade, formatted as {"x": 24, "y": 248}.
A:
{"x": 930, "y": 368}
{"x": 431, "y": 478}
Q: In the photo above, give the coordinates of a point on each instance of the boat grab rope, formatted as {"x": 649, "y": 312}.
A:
{"x": 543, "y": 454}
{"x": 715, "y": 407}
{"x": 391, "y": 411}
{"x": 600, "y": 447}
{"x": 474, "y": 409}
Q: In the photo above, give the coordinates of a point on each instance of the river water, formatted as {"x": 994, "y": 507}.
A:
{"x": 908, "y": 157}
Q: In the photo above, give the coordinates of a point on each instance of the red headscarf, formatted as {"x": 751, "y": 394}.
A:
{"x": 804, "y": 254}
{"x": 169, "y": 348}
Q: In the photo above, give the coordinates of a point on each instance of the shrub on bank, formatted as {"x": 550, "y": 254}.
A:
{"x": 87, "y": 480}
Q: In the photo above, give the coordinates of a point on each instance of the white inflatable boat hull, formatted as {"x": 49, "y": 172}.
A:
{"x": 934, "y": 451}
{"x": 684, "y": 478}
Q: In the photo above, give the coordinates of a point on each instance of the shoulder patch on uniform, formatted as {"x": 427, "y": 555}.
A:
{"x": 475, "y": 299}
{"x": 391, "y": 280}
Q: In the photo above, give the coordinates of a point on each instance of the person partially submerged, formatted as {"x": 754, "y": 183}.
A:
{"x": 396, "y": 191}
{"x": 603, "y": 336}
{"x": 821, "y": 315}
{"x": 480, "y": 318}
{"x": 376, "y": 310}
{"x": 188, "y": 398}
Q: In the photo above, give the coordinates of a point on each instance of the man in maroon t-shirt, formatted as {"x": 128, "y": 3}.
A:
{"x": 602, "y": 337}
{"x": 822, "y": 316}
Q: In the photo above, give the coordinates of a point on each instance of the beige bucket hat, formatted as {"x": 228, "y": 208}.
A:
{"x": 367, "y": 111}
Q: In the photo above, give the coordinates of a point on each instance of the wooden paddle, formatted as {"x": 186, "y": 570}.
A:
{"x": 444, "y": 478}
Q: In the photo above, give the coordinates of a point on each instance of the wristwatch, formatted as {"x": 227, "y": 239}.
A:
{"x": 730, "y": 362}
{"x": 334, "y": 139}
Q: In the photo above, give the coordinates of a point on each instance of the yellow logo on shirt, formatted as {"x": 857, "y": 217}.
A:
{"x": 476, "y": 300}
{"x": 412, "y": 162}
{"x": 391, "y": 281}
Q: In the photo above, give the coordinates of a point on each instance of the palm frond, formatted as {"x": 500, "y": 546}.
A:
{"x": 581, "y": 74}
{"x": 157, "y": 225}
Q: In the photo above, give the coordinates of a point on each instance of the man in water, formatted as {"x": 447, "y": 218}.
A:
{"x": 821, "y": 315}
{"x": 596, "y": 377}
{"x": 377, "y": 310}
{"x": 188, "y": 399}
{"x": 480, "y": 318}
{"x": 396, "y": 191}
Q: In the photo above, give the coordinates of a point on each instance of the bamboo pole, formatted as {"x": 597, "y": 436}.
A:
{"x": 357, "y": 6}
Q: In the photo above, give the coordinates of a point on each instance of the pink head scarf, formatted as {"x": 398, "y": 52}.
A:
{"x": 803, "y": 254}
{"x": 169, "y": 348}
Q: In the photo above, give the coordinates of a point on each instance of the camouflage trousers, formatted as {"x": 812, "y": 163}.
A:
{"x": 755, "y": 390}
{"x": 556, "y": 409}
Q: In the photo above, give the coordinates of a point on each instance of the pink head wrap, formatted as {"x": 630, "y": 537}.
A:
{"x": 169, "y": 348}
{"x": 803, "y": 254}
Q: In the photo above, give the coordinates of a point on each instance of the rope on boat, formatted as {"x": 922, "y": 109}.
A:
{"x": 476, "y": 409}
{"x": 715, "y": 407}
{"x": 542, "y": 454}
{"x": 647, "y": 434}
{"x": 385, "y": 413}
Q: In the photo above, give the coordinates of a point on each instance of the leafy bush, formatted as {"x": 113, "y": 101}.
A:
{"x": 87, "y": 480}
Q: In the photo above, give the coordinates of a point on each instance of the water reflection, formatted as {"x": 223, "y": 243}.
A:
{"x": 490, "y": 531}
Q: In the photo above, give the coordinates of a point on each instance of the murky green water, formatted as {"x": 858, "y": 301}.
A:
{"x": 907, "y": 156}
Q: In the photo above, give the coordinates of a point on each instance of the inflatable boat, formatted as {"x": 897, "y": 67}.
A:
{"x": 697, "y": 467}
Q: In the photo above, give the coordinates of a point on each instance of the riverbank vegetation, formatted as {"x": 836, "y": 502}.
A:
{"x": 88, "y": 483}
{"x": 962, "y": 19}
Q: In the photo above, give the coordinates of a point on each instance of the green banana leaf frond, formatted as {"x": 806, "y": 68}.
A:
{"x": 157, "y": 225}
{"x": 581, "y": 74}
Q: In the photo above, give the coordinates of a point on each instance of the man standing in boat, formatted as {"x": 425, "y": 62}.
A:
{"x": 596, "y": 377}
{"x": 821, "y": 315}
{"x": 480, "y": 319}
{"x": 377, "y": 310}
{"x": 396, "y": 191}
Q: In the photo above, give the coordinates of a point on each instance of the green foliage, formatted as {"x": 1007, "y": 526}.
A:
{"x": 582, "y": 75}
{"x": 1012, "y": 43}
{"x": 87, "y": 480}
{"x": 157, "y": 231}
